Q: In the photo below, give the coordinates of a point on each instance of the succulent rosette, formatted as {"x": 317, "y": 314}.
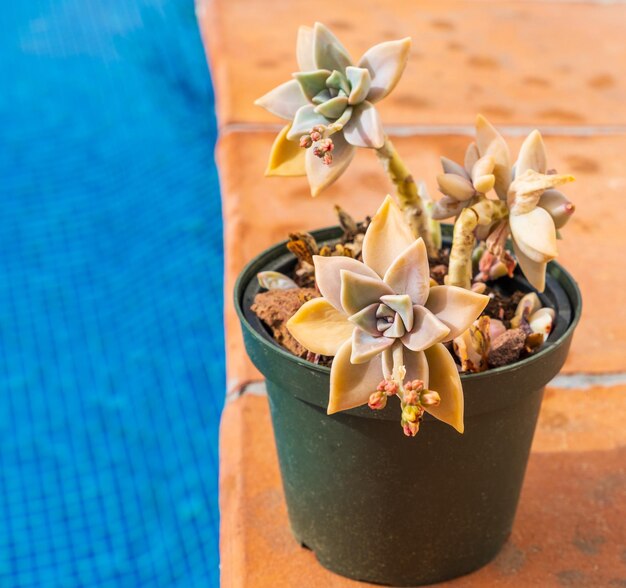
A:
{"x": 330, "y": 105}
{"x": 535, "y": 209}
{"x": 382, "y": 320}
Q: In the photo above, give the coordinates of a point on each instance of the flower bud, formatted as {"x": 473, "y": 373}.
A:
{"x": 306, "y": 141}
{"x": 377, "y": 400}
{"x": 316, "y": 135}
{"x": 327, "y": 159}
{"x": 430, "y": 398}
{"x": 411, "y": 413}
{"x": 411, "y": 397}
{"x": 410, "y": 429}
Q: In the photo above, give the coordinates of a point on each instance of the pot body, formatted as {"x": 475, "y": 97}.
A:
{"x": 377, "y": 506}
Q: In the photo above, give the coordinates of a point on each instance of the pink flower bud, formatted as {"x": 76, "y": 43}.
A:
{"x": 327, "y": 159}
{"x": 377, "y": 400}
{"x": 317, "y": 151}
{"x": 415, "y": 385}
{"x": 391, "y": 388}
{"x": 316, "y": 136}
{"x": 430, "y": 398}
{"x": 306, "y": 141}
{"x": 411, "y": 397}
{"x": 410, "y": 429}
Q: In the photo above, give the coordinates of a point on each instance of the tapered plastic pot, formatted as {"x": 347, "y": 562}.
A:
{"x": 377, "y": 506}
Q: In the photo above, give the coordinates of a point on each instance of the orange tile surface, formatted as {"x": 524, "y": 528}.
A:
{"x": 569, "y": 529}
{"x": 261, "y": 211}
{"x": 518, "y": 62}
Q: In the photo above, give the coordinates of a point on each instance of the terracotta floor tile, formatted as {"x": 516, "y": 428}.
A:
{"x": 260, "y": 211}
{"x": 518, "y": 62}
{"x": 568, "y": 532}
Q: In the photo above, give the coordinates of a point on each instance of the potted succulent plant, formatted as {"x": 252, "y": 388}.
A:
{"x": 366, "y": 326}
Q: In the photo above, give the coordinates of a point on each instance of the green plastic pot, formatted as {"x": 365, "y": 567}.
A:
{"x": 377, "y": 506}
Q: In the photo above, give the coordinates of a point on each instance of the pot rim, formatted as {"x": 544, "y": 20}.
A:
{"x": 554, "y": 268}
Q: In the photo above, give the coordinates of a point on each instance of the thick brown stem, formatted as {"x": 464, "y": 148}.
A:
{"x": 408, "y": 196}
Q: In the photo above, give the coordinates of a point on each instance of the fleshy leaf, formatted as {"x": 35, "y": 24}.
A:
{"x": 559, "y": 207}
{"x": 457, "y": 308}
{"x": 320, "y": 175}
{"x": 284, "y": 100}
{"x": 456, "y": 187}
{"x": 446, "y": 207}
{"x": 444, "y": 379}
{"x": 366, "y": 346}
{"x": 535, "y": 234}
{"x": 304, "y": 120}
{"x": 286, "y": 157}
{"x": 359, "y": 291}
{"x": 409, "y": 273}
{"x": 535, "y": 272}
{"x": 471, "y": 157}
{"x": 328, "y": 51}
{"x": 328, "y": 275}
{"x": 427, "y": 330}
{"x": 387, "y": 236}
{"x": 527, "y": 188}
{"x": 416, "y": 366}
{"x": 396, "y": 329}
{"x": 532, "y": 155}
{"x": 365, "y": 129}
{"x": 338, "y": 81}
{"x": 333, "y": 108}
{"x": 403, "y": 305}
{"x": 452, "y": 167}
{"x": 385, "y": 62}
{"x": 367, "y": 319}
{"x": 304, "y": 49}
{"x": 490, "y": 142}
{"x": 351, "y": 384}
{"x": 320, "y": 327}
{"x": 275, "y": 281}
{"x": 482, "y": 176}
{"x": 312, "y": 82}
{"x": 360, "y": 83}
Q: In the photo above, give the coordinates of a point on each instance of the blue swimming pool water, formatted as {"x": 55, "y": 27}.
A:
{"x": 111, "y": 350}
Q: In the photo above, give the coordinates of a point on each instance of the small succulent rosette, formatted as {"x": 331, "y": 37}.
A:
{"x": 536, "y": 210}
{"x": 385, "y": 325}
{"x": 330, "y": 105}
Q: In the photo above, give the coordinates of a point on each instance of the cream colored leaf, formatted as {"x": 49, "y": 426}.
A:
{"x": 364, "y": 129}
{"x": 457, "y": 308}
{"x": 328, "y": 51}
{"x": 427, "y": 330}
{"x": 321, "y": 175}
{"x": 304, "y": 49}
{"x": 444, "y": 379}
{"x": 366, "y": 346}
{"x": 387, "y": 236}
{"x": 284, "y": 100}
{"x": 352, "y": 384}
{"x": 319, "y": 327}
{"x": 532, "y": 155}
{"x": 385, "y": 62}
{"x": 535, "y": 234}
{"x": 359, "y": 291}
{"x": 328, "y": 275}
{"x": 410, "y": 274}
{"x": 535, "y": 272}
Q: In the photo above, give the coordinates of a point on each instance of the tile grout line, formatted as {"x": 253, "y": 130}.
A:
{"x": 575, "y": 381}
{"x": 430, "y": 130}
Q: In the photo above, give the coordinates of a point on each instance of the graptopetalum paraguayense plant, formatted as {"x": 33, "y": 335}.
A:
{"x": 385, "y": 326}
{"x": 330, "y": 106}
{"x": 527, "y": 207}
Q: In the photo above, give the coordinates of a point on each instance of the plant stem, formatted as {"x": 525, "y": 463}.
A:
{"x": 408, "y": 196}
{"x": 484, "y": 212}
